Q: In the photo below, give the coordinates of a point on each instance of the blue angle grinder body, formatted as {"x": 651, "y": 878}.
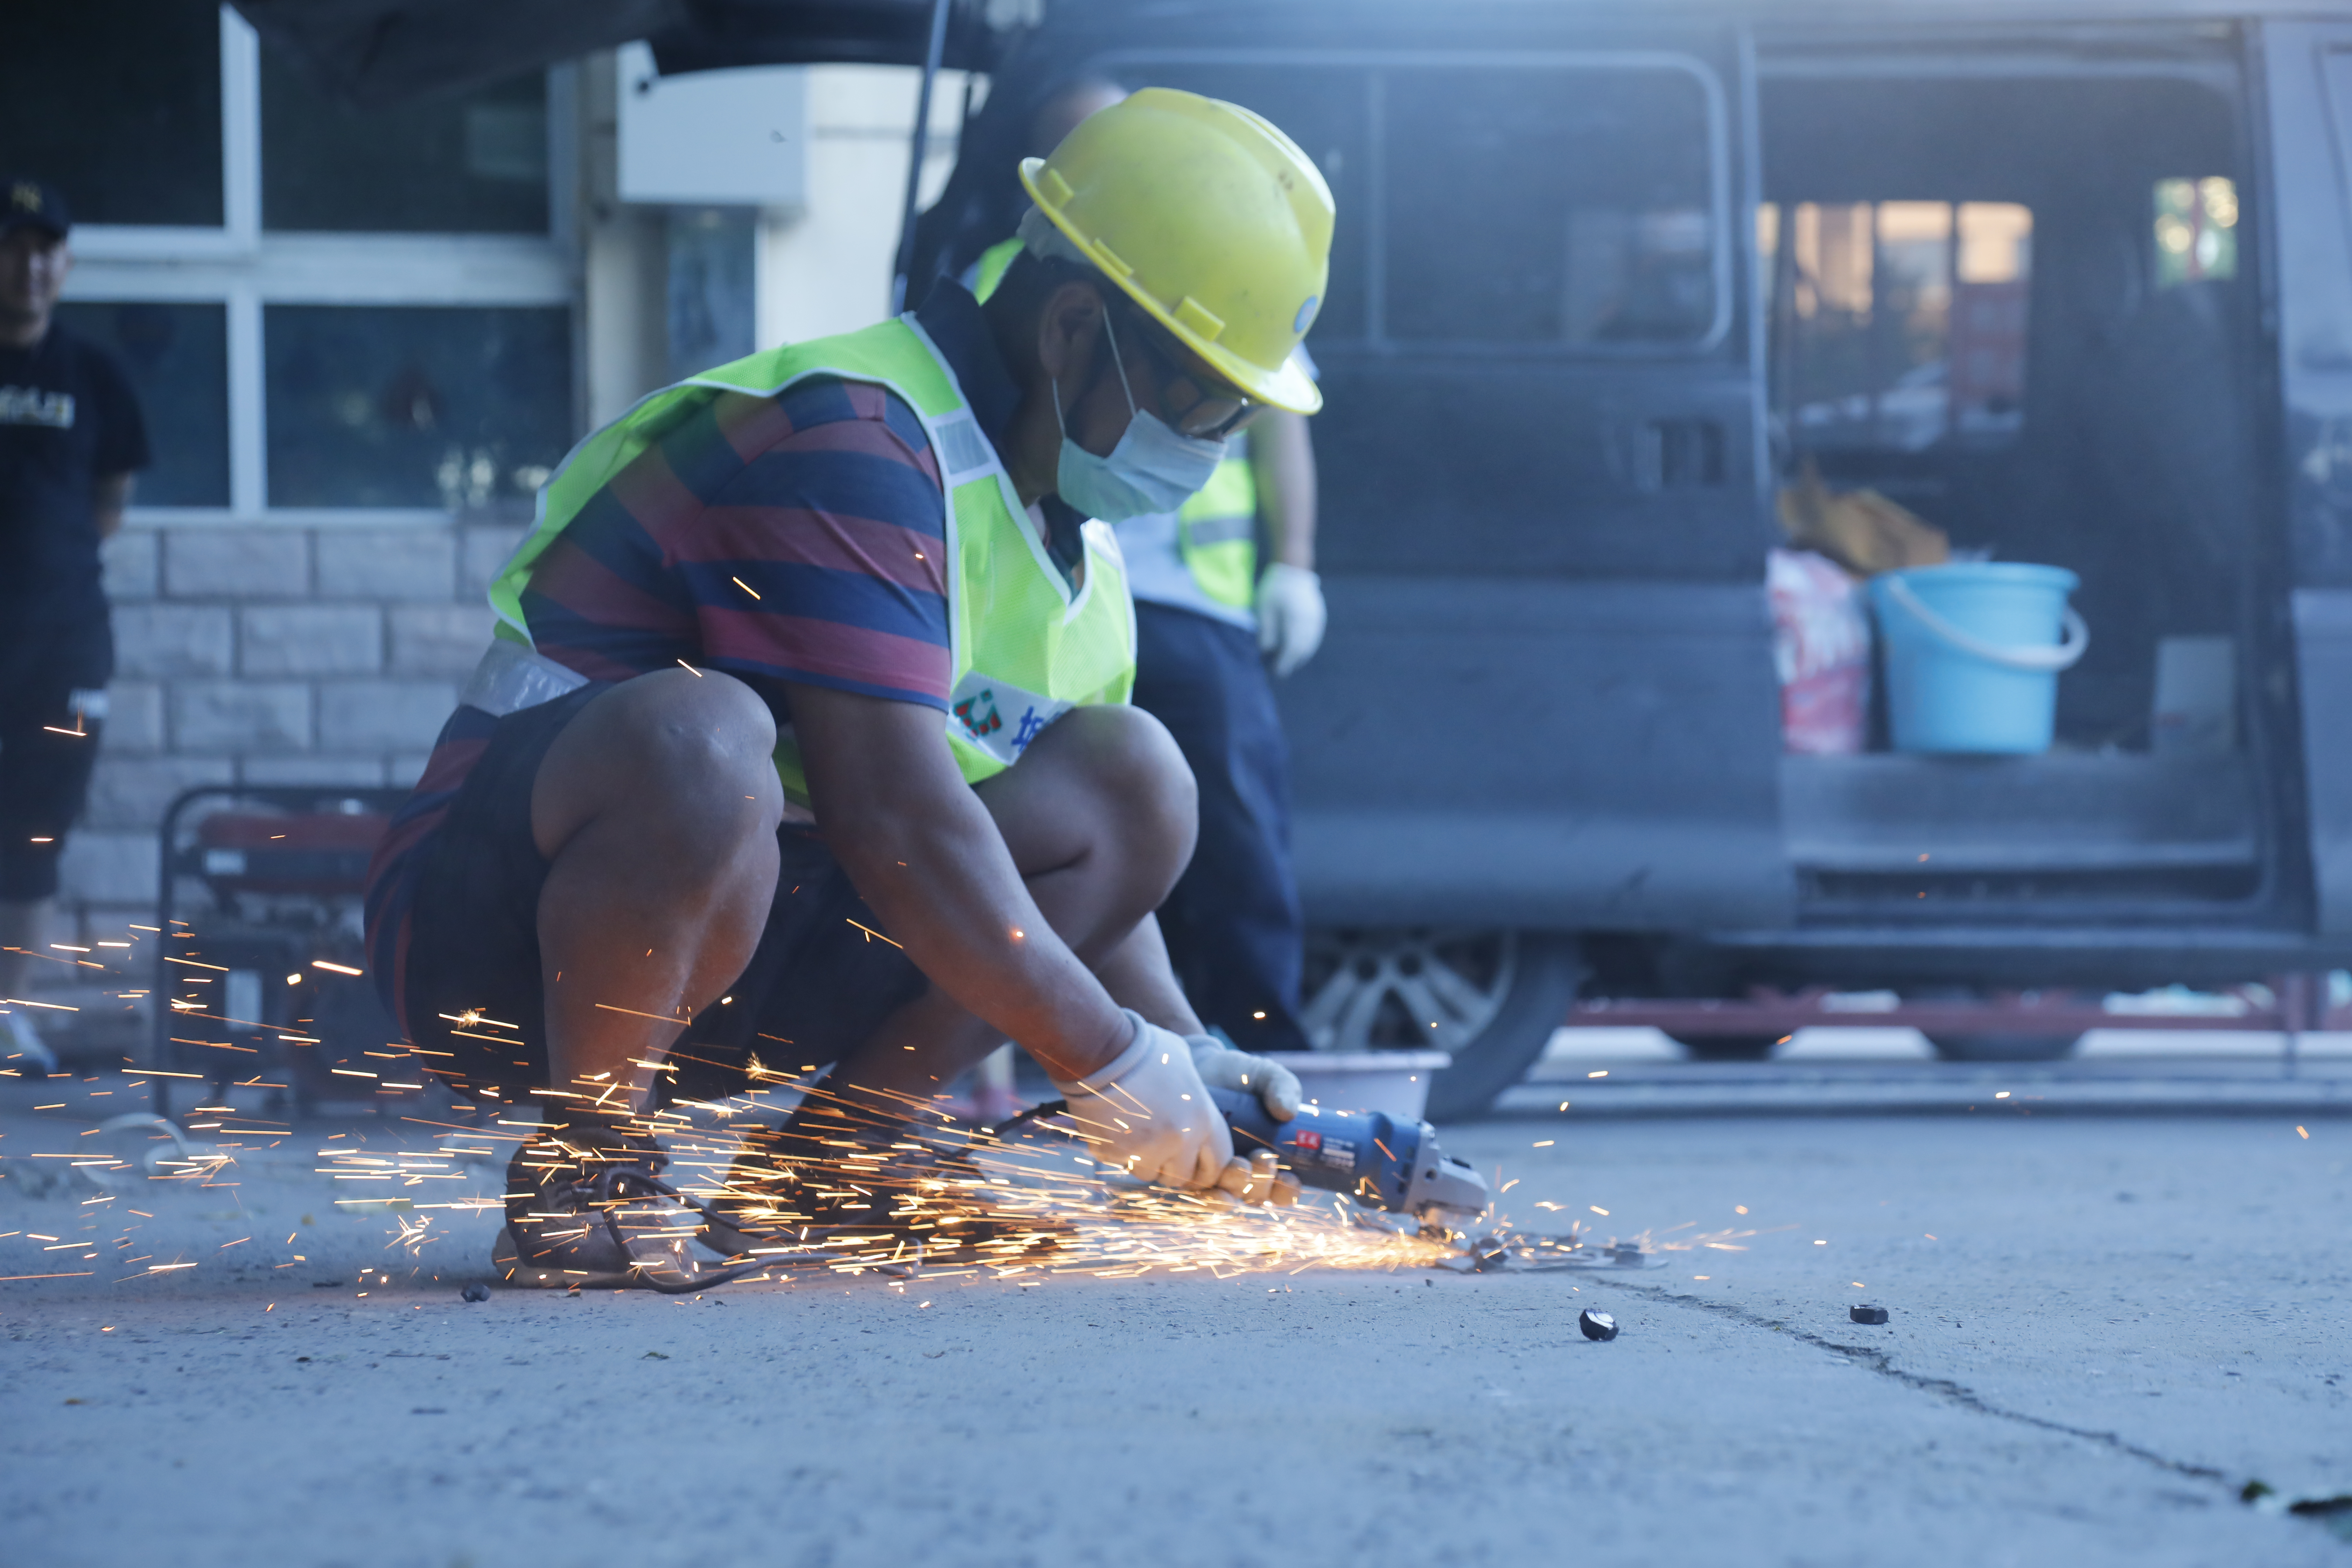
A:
{"x": 1379, "y": 1161}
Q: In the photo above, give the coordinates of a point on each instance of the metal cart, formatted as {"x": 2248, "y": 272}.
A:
{"x": 261, "y": 979}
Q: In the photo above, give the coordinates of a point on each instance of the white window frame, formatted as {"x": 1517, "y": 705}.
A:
{"x": 242, "y": 266}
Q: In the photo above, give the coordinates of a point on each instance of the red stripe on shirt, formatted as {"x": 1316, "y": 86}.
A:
{"x": 653, "y": 494}
{"x": 906, "y": 556}
{"x": 827, "y": 647}
{"x": 873, "y": 405}
{"x": 588, "y": 588}
{"x": 869, "y": 438}
{"x": 749, "y": 424}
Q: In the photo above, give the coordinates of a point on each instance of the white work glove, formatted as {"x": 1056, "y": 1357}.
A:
{"x": 1291, "y": 616}
{"x": 1149, "y": 1114}
{"x": 1255, "y": 1180}
{"x": 1222, "y": 1066}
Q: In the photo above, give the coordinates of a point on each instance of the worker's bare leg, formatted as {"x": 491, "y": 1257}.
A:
{"x": 656, "y": 809}
{"x": 1099, "y": 817}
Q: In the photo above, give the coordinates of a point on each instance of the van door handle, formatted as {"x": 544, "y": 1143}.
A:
{"x": 1678, "y": 454}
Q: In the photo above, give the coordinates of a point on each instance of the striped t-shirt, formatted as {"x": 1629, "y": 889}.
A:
{"x": 799, "y": 538}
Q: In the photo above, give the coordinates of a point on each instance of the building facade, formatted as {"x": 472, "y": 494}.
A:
{"x": 362, "y": 340}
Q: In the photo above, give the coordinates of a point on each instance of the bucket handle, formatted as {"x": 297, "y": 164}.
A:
{"x": 2042, "y": 661}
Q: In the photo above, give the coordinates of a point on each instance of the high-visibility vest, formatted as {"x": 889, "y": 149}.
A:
{"x": 1025, "y": 646}
{"x": 1216, "y": 531}
{"x": 991, "y": 267}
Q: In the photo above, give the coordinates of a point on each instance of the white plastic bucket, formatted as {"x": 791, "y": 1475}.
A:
{"x": 1395, "y": 1083}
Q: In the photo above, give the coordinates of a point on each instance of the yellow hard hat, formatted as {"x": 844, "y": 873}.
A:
{"x": 1211, "y": 219}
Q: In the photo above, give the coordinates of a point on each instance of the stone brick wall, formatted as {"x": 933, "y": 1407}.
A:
{"x": 269, "y": 656}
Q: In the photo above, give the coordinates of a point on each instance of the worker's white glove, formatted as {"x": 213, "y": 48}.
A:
{"x": 1222, "y": 1066}
{"x": 1259, "y": 1180}
{"x": 1253, "y": 1179}
{"x": 1291, "y": 616}
{"x": 1149, "y": 1114}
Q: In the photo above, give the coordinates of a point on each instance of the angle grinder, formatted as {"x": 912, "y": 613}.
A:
{"x": 1376, "y": 1159}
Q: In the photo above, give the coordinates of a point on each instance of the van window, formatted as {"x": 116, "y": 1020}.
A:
{"x": 1897, "y": 326}
{"x": 1566, "y": 207}
{"x": 2196, "y": 230}
{"x": 1574, "y": 207}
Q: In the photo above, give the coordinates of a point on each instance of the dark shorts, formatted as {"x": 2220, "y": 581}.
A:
{"x": 816, "y": 984}
{"x": 48, "y": 749}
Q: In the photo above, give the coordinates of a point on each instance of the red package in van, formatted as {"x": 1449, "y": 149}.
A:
{"x": 1821, "y": 649}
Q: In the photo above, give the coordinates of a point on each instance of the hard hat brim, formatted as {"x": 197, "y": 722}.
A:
{"x": 1287, "y": 386}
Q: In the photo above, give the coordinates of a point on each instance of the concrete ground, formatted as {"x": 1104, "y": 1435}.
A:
{"x": 2103, "y": 1329}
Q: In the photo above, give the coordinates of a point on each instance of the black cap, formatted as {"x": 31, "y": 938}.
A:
{"x": 32, "y": 204}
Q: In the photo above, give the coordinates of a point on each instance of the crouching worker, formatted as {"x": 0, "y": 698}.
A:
{"x": 804, "y": 738}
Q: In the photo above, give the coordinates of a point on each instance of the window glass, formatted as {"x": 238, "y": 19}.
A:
{"x": 118, "y": 106}
{"x": 1561, "y": 208}
{"x": 1324, "y": 112}
{"x": 2196, "y": 230}
{"x": 1986, "y": 348}
{"x": 711, "y": 313}
{"x": 474, "y": 163}
{"x": 1897, "y": 325}
{"x": 177, "y": 358}
{"x": 413, "y": 406}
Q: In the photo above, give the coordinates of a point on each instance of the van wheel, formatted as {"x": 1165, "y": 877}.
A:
{"x": 1728, "y": 1047}
{"x": 1994, "y": 1045}
{"x": 2003, "y": 1048}
{"x": 1490, "y": 999}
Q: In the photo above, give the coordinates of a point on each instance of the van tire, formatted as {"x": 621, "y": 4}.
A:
{"x": 2003, "y": 1048}
{"x": 1727, "y": 1047}
{"x": 1531, "y": 979}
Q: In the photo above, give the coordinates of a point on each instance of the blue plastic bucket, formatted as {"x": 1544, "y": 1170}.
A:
{"x": 1973, "y": 654}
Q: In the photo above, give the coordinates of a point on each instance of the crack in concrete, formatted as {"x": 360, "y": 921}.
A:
{"x": 1943, "y": 1388}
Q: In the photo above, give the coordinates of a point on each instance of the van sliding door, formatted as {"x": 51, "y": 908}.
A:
{"x": 2307, "y": 70}
{"x": 1547, "y": 698}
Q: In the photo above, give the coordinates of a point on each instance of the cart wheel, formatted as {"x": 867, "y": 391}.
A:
{"x": 2003, "y": 1048}
{"x": 1489, "y": 998}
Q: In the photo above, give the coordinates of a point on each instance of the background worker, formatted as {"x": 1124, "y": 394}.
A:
{"x": 1208, "y": 624}
{"x": 70, "y": 439}
{"x": 893, "y": 809}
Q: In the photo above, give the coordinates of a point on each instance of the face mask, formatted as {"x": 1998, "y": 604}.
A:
{"x": 1154, "y": 467}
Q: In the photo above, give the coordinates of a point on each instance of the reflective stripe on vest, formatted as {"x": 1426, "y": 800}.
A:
{"x": 1217, "y": 530}
{"x": 1025, "y": 648}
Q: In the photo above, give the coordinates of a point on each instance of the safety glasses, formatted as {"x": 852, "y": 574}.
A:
{"x": 1196, "y": 402}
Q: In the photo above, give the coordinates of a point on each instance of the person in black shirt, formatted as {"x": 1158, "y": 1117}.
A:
{"x": 71, "y": 436}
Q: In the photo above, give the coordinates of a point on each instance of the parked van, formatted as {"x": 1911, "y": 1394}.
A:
{"x": 2072, "y": 283}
